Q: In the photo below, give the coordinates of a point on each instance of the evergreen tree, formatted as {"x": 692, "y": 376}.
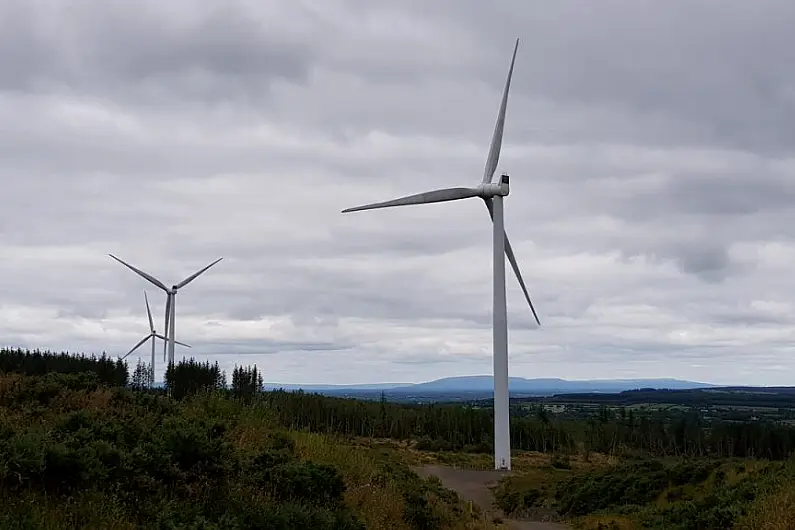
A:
{"x": 140, "y": 376}
{"x": 189, "y": 377}
{"x": 246, "y": 382}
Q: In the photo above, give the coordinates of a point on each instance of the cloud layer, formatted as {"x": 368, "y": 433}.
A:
{"x": 649, "y": 143}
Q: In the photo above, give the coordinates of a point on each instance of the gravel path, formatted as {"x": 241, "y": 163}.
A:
{"x": 473, "y": 485}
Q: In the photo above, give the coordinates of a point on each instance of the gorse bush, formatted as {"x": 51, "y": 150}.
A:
{"x": 653, "y": 494}
{"x": 517, "y": 501}
{"x": 630, "y": 484}
{"x": 152, "y": 466}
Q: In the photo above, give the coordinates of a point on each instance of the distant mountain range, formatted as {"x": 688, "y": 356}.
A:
{"x": 516, "y": 385}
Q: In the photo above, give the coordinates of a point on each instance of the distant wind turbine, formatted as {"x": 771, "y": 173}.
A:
{"x": 492, "y": 195}
{"x": 151, "y": 336}
{"x": 171, "y": 298}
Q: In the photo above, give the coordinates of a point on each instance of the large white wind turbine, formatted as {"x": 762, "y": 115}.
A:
{"x": 492, "y": 194}
{"x": 153, "y": 334}
{"x": 171, "y": 298}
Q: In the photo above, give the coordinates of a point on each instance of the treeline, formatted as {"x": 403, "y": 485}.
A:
{"x": 462, "y": 427}
{"x": 189, "y": 377}
{"x": 456, "y": 427}
{"x": 437, "y": 426}
{"x": 773, "y": 397}
{"x": 185, "y": 378}
{"x": 111, "y": 372}
{"x": 445, "y": 426}
{"x": 622, "y": 433}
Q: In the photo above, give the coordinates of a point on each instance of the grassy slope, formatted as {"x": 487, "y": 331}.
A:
{"x": 666, "y": 495}
{"x": 99, "y": 458}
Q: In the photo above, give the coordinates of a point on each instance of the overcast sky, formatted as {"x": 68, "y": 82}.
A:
{"x": 652, "y": 205}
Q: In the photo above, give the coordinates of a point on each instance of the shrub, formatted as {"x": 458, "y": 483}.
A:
{"x": 560, "y": 461}
{"x": 141, "y": 460}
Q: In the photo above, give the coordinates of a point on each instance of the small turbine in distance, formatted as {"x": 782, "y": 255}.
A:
{"x": 171, "y": 298}
{"x": 151, "y": 336}
{"x": 492, "y": 195}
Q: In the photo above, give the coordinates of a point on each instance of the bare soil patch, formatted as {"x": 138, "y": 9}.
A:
{"x": 473, "y": 485}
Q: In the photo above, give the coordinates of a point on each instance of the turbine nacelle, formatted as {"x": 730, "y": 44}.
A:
{"x": 487, "y": 190}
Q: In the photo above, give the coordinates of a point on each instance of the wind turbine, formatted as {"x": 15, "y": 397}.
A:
{"x": 171, "y": 295}
{"x": 492, "y": 195}
{"x": 151, "y": 336}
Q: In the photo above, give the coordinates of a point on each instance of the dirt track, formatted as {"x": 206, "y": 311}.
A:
{"x": 473, "y": 485}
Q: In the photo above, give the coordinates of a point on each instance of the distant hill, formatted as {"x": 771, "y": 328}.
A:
{"x": 323, "y": 388}
{"x": 516, "y": 385}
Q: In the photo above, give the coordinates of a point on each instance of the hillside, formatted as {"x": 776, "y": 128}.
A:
{"x": 85, "y": 444}
{"x": 483, "y": 384}
{"x": 546, "y": 386}
{"x": 77, "y": 454}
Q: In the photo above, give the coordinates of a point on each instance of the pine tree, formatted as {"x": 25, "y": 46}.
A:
{"x": 140, "y": 377}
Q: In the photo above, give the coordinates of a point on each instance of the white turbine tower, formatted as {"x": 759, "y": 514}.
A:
{"x": 153, "y": 334}
{"x": 492, "y": 194}
{"x": 171, "y": 298}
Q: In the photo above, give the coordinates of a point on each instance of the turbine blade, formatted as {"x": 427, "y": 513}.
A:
{"x": 514, "y": 265}
{"x": 449, "y": 194}
{"x": 496, "y": 139}
{"x": 175, "y": 342}
{"x": 149, "y": 313}
{"x": 136, "y": 346}
{"x": 195, "y": 275}
{"x": 141, "y": 273}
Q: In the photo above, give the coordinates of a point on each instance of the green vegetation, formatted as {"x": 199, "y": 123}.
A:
{"x": 77, "y": 451}
{"x": 85, "y": 445}
{"x": 657, "y": 494}
{"x": 772, "y": 397}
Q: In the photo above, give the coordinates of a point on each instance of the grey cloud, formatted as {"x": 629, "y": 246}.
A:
{"x": 709, "y": 264}
{"x": 644, "y": 71}
{"x": 270, "y": 347}
{"x": 734, "y": 194}
{"x": 712, "y": 62}
{"x": 423, "y": 360}
{"x": 187, "y": 49}
{"x": 749, "y": 318}
{"x": 650, "y": 204}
